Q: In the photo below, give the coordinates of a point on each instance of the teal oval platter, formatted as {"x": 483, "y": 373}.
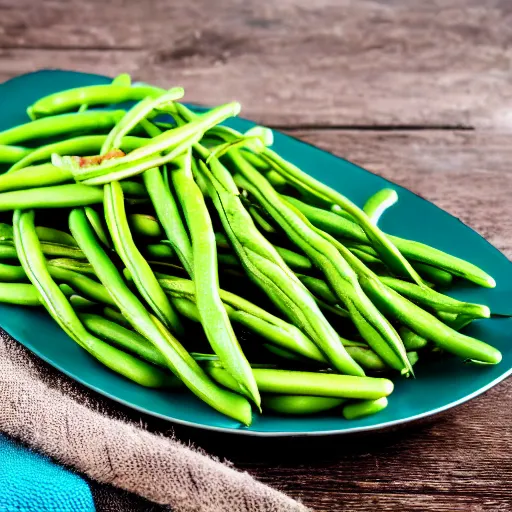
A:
{"x": 439, "y": 385}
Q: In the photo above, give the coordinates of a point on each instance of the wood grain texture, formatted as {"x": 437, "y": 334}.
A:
{"x": 335, "y": 62}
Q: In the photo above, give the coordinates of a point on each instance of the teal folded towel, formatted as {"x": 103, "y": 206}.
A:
{"x": 30, "y": 482}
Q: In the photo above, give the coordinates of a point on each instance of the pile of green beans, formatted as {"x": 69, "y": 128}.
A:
{"x": 184, "y": 236}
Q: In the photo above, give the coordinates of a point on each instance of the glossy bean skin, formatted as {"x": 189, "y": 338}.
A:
{"x": 299, "y": 405}
{"x": 266, "y": 268}
{"x": 144, "y": 225}
{"x": 415, "y": 251}
{"x": 80, "y": 146}
{"x": 364, "y": 408}
{"x": 13, "y": 154}
{"x": 60, "y": 196}
{"x": 377, "y": 204}
{"x": 143, "y": 276}
{"x": 33, "y": 262}
{"x": 19, "y": 293}
{"x": 72, "y": 99}
{"x": 178, "y": 359}
{"x": 372, "y": 325}
{"x": 214, "y": 317}
{"x": 61, "y": 125}
{"x": 311, "y": 384}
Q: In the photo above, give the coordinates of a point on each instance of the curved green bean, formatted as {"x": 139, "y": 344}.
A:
{"x": 34, "y": 264}
{"x": 214, "y": 317}
{"x": 412, "y": 341}
{"x": 143, "y": 276}
{"x": 13, "y": 154}
{"x": 299, "y": 405}
{"x": 63, "y": 124}
{"x": 178, "y": 359}
{"x": 309, "y": 383}
{"x": 144, "y": 225}
{"x": 379, "y": 203}
{"x": 364, "y": 408}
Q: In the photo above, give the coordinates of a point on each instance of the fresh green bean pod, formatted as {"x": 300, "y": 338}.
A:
{"x": 97, "y": 223}
{"x": 91, "y": 95}
{"x": 310, "y": 384}
{"x": 178, "y": 359}
{"x": 11, "y": 273}
{"x": 80, "y": 303}
{"x": 19, "y": 293}
{"x": 267, "y": 269}
{"x": 55, "y": 236}
{"x": 59, "y": 196}
{"x": 159, "y": 251}
{"x": 173, "y": 142}
{"x": 81, "y": 267}
{"x": 117, "y": 317}
{"x": 260, "y": 220}
{"x": 299, "y": 405}
{"x": 437, "y": 276}
{"x": 412, "y": 341}
{"x": 67, "y": 290}
{"x": 124, "y": 338}
{"x": 364, "y": 408}
{"x": 144, "y": 225}
{"x": 435, "y": 300}
{"x": 13, "y": 154}
{"x": 8, "y": 252}
{"x": 415, "y": 251}
{"x": 60, "y": 125}
{"x": 214, "y": 317}
{"x": 385, "y": 247}
{"x": 42, "y": 175}
{"x": 80, "y": 146}
{"x": 143, "y": 276}
{"x": 368, "y": 319}
{"x": 379, "y": 203}
{"x": 34, "y": 264}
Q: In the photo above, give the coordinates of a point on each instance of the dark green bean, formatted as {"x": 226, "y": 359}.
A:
{"x": 178, "y": 359}
{"x": 412, "y": 341}
{"x": 144, "y": 225}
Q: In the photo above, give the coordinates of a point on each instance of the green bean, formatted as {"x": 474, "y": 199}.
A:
{"x": 83, "y": 145}
{"x": 80, "y": 303}
{"x": 435, "y": 275}
{"x": 260, "y": 220}
{"x": 381, "y": 335}
{"x": 214, "y": 318}
{"x": 34, "y": 264}
{"x": 11, "y": 273}
{"x": 13, "y": 154}
{"x": 284, "y": 354}
{"x": 124, "y": 338}
{"x": 144, "y": 225}
{"x": 367, "y": 358}
{"x": 299, "y": 405}
{"x": 143, "y": 276}
{"x": 66, "y": 289}
{"x": 385, "y": 247}
{"x": 59, "y": 196}
{"x": 413, "y": 357}
{"x": 60, "y": 125}
{"x": 87, "y": 287}
{"x": 8, "y": 252}
{"x": 71, "y": 99}
{"x": 55, "y": 236}
{"x": 267, "y": 269}
{"x": 435, "y": 300}
{"x": 412, "y": 341}
{"x": 364, "y": 408}
{"x": 415, "y": 251}
{"x": 173, "y": 143}
{"x": 379, "y": 203}
{"x": 19, "y": 293}
{"x": 115, "y": 316}
{"x": 310, "y": 384}
{"x": 80, "y": 267}
{"x": 159, "y": 251}
{"x": 42, "y": 175}
{"x": 178, "y": 359}
{"x": 456, "y": 322}
{"x": 97, "y": 224}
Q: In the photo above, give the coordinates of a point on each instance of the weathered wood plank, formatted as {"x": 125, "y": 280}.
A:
{"x": 290, "y": 62}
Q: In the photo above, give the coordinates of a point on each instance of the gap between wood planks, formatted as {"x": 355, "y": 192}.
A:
{"x": 370, "y": 127}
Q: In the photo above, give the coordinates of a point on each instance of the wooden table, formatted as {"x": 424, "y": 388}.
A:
{"x": 420, "y": 92}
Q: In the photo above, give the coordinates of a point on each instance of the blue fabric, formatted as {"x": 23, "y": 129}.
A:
{"x": 30, "y": 482}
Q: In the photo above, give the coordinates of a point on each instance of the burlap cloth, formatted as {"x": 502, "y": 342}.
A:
{"x": 52, "y": 414}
